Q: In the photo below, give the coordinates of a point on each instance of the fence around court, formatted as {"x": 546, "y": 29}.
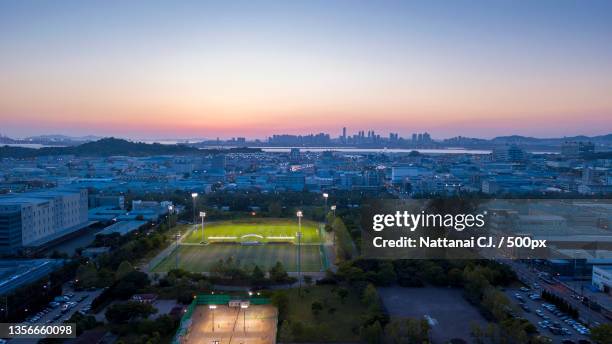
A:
{"x": 210, "y": 299}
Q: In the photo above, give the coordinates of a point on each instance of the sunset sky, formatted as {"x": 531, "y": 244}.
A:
{"x": 185, "y": 69}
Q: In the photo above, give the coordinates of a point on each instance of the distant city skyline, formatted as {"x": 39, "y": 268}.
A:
{"x": 193, "y": 69}
{"x": 408, "y": 136}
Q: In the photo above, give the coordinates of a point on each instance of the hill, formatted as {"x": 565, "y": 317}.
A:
{"x": 104, "y": 147}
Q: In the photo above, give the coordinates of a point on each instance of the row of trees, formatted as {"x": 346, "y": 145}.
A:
{"x": 344, "y": 246}
{"x": 231, "y": 271}
{"x": 561, "y": 304}
{"x": 124, "y": 286}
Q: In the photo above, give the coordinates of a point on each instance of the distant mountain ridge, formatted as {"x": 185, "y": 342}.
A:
{"x": 112, "y": 146}
{"x": 534, "y": 140}
{"x": 62, "y": 138}
{"x": 103, "y": 147}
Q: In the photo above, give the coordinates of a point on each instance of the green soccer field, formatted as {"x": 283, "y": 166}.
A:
{"x": 201, "y": 258}
{"x": 255, "y": 230}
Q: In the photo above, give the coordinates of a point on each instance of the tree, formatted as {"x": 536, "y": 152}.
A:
{"x": 342, "y": 293}
{"x": 371, "y": 334}
{"x": 281, "y": 301}
{"x": 454, "y": 277}
{"x": 370, "y": 296}
{"x": 477, "y": 332}
{"x": 386, "y": 274}
{"x": 285, "y": 333}
{"x": 130, "y": 284}
{"x": 496, "y": 303}
{"x": 83, "y": 322}
{"x": 87, "y": 276}
{"x": 124, "y": 268}
{"x": 602, "y": 334}
{"x": 124, "y": 312}
{"x": 316, "y": 308}
{"x": 475, "y": 284}
{"x": 350, "y": 273}
{"x": 275, "y": 209}
{"x": 278, "y": 273}
{"x": 344, "y": 243}
{"x": 408, "y": 331}
{"x": 257, "y": 276}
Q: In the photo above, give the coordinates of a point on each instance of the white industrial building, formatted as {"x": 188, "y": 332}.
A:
{"x": 36, "y": 218}
{"x": 602, "y": 278}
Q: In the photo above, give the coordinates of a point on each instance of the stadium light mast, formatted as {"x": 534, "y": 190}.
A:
{"x": 299, "y": 215}
{"x": 325, "y": 196}
{"x": 202, "y": 216}
{"x": 176, "y": 256}
{"x": 193, "y": 197}
{"x": 244, "y": 306}
{"x": 333, "y": 209}
{"x": 212, "y": 308}
{"x": 170, "y": 209}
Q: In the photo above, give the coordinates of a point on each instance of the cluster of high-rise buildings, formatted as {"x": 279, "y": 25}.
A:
{"x": 362, "y": 138}
{"x": 393, "y": 139}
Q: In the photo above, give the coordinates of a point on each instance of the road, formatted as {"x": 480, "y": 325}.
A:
{"x": 530, "y": 276}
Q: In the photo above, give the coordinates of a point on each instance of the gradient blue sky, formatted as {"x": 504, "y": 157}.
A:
{"x": 175, "y": 69}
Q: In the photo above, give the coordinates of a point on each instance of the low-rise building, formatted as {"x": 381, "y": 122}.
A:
{"x": 602, "y": 278}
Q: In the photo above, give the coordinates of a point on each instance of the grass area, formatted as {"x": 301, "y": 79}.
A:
{"x": 260, "y": 230}
{"x": 198, "y": 258}
{"x": 169, "y": 239}
{"x": 335, "y": 323}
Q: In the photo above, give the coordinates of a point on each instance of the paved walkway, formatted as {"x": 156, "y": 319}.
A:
{"x": 163, "y": 254}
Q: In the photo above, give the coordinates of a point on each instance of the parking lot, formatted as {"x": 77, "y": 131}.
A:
{"x": 65, "y": 306}
{"x": 546, "y": 317}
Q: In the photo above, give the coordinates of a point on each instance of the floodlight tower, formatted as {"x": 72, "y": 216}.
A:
{"x": 325, "y": 196}
{"x": 212, "y": 308}
{"x": 170, "y": 209}
{"x": 333, "y": 209}
{"x": 244, "y": 307}
{"x": 193, "y": 197}
{"x": 202, "y": 216}
{"x": 176, "y": 260}
{"x": 299, "y": 215}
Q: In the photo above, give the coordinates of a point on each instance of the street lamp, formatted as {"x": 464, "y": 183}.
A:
{"x": 212, "y": 308}
{"x": 193, "y": 197}
{"x": 333, "y": 208}
{"x": 299, "y": 215}
{"x": 202, "y": 216}
{"x": 325, "y": 196}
